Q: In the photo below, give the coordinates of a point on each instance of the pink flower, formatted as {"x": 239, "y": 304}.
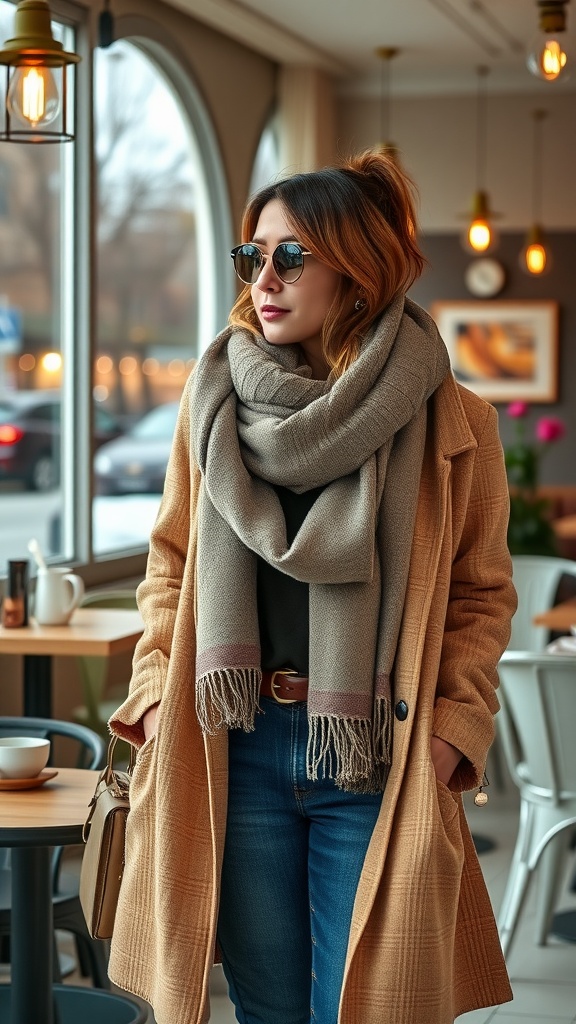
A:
{"x": 517, "y": 409}
{"x": 550, "y": 428}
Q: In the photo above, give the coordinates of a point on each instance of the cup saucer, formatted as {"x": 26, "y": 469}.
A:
{"x": 34, "y": 783}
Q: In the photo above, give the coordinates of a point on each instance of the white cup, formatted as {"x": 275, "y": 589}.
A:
{"x": 58, "y": 593}
{"x": 22, "y": 757}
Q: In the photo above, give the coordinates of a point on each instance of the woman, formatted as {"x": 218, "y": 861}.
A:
{"x": 330, "y": 553}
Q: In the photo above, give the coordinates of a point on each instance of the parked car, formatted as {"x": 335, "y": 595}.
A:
{"x": 136, "y": 462}
{"x": 30, "y": 439}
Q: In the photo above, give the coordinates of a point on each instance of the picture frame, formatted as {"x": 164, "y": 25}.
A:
{"x": 504, "y": 351}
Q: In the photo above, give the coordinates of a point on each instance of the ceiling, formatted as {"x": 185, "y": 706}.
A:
{"x": 441, "y": 42}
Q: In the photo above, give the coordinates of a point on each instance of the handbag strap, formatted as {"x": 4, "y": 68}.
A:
{"x": 109, "y": 769}
{"x": 110, "y": 780}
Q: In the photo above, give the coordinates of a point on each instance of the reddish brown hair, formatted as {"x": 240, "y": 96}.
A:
{"x": 360, "y": 220}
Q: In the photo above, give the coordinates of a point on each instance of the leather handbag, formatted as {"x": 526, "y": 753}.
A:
{"x": 104, "y": 834}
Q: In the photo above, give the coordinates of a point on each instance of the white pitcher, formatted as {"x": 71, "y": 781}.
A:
{"x": 58, "y": 593}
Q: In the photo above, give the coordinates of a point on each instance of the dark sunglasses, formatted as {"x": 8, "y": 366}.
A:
{"x": 287, "y": 260}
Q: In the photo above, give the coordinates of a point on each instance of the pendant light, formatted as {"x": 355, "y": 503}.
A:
{"x": 386, "y": 146}
{"x": 480, "y": 236}
{"x": 548, "y": 56}
{"x": 535, "y": 257}
{"x": 37, "y": 107}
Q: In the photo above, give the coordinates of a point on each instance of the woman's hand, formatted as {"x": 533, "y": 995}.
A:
{"x": 445, "y": 759}
{"x": 149, "y": 721}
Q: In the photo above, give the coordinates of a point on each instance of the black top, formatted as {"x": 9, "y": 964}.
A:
{"x": 282, "y": 600}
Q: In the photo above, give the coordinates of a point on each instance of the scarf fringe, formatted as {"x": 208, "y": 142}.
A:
{"x": 354, "y": 752}
{"x": 382, "y": 731}
{"x": 228, "y": 698}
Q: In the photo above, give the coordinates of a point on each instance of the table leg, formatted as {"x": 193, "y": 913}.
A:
{"x": 38, "y": 686}
{"x": 32, "y": 936}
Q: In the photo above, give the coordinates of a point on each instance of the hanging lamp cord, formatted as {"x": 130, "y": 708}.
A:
{"x": 385, "y": 100}
{"x": 105, "y": 26}
{"x": 481, "y": 129}
{"x": 538, "y": 116}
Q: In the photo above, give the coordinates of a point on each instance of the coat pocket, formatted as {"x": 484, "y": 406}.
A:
{"x": 446, "y": 803}
{"x": 142, "y": 774}
{"x": 145, "y": 757}
{"x": 448, "y": 814}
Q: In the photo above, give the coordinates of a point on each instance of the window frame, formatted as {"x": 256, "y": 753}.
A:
{"x": 79, "y": 271}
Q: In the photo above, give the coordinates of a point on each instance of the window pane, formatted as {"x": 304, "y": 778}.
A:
{"x": 267, "y": 161}
{"x": 34, "y": 179}
{"x": 147, "y": 336}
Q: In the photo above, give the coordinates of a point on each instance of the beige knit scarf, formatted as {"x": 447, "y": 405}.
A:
{"x": 260, "y": 420}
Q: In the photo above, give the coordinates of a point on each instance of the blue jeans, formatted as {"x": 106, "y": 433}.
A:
{"x": 292, "y": 860}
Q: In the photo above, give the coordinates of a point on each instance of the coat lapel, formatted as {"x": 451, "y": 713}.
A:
{"x": 449, "y": 435}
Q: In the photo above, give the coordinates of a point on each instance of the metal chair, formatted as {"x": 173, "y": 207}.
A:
{"x": 89, "y": 1005}
{"x": 97, "y": 709}
{"x": 536, "y": 722}
{"x": 90, "y": 752}
{"x": 536, "y": 578}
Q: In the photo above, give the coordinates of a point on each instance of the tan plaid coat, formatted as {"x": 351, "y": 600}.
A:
{"x": 423, "y": 944}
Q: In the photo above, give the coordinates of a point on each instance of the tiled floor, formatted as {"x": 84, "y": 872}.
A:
{"x": 543, "y": 978}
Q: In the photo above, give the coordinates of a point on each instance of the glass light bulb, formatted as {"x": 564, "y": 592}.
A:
{"x": 548, "y": 58}
{"x": 479, "y": 235}
{"x": 33, "y": 97}
{"x": 552, "y": 59}
{"x": 535, "y": 257}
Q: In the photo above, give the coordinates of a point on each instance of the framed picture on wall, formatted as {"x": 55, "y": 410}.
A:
{"x": 503, "y": 351}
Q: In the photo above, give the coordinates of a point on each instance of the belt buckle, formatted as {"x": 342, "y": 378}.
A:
{"x": 273, "y": 685}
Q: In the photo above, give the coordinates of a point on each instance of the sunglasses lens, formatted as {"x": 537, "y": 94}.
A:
{"x": 247, "y": 263}
{"x": 288, "y": 261}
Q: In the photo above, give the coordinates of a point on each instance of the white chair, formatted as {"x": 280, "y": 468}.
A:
{"x": 536, "y": 578}
{"x": 536, "y": 723}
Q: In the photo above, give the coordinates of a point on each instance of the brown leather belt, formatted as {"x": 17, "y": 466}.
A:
{"x": 284, "y": 685}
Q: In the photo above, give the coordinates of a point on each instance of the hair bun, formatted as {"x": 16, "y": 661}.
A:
{"x": 371, "y": 161}
{"x": 379, "y": 166}
{"x": 391, "y": 188}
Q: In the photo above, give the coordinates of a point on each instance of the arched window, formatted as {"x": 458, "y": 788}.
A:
{"x": 157, "y": 280}
{"x": 267, "y": 160}
{"x": 111, "y": 286}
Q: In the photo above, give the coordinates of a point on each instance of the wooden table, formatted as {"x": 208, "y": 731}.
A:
{"x": 99, "y": 631}
{"x": 31, "y": 822}
{"x": 560, "y": 618}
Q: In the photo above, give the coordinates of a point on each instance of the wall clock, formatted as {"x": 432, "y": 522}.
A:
{"x": 485, "y": 277}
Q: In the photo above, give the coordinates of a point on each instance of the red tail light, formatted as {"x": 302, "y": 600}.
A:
{"x": 9, "y": 434}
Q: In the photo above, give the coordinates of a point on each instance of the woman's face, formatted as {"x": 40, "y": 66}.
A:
{"x": 292, "y": 313}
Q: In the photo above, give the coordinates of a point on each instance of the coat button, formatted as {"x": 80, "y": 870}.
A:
{"x": 401, "y": 711}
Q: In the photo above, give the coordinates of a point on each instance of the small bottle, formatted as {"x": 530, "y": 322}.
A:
{"x": 15, "y": 604}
